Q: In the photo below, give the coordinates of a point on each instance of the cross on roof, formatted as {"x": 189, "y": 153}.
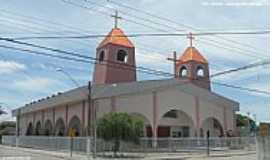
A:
{"x": 116, "y": 17}
{"x": 191, "y": 38}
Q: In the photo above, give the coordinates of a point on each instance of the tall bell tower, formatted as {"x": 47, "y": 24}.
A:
{"x": 193, "y": 67}
{"x": 116, "y": 58}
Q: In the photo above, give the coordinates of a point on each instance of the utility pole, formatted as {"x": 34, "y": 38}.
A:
{"x": 208, "y": 142}
{"x": 92, "y": 119}
{"x": 174, "y": 59}
{"x": 248, "y": 121}
{"x": 255, "y": 119}
{"x": 18, "y": 118}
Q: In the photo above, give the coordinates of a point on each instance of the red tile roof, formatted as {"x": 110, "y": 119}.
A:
{"x": 118, "y": 37}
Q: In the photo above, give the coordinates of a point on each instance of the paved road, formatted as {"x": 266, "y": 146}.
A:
{"x": 11, "y": 153}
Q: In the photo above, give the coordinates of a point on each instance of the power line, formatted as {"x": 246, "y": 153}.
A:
{"x": 48, "y": 23}
{"x": 216, "y": 43}
{"x": 131, "y": 66}
{"x": 44, "y": 54}
{"x": 252, "y": 65}
{"x": 160, "y": 74}
{"x": 80, "y": 56}
{"x": 134, "y": 16}
{"x": 85, "y": 7}
{"x": 179, "y": 24}
{"x": 107, "y": 14}
{"x": 141, "y": 35}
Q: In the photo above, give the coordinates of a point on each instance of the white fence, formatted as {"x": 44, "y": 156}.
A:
{"x": 263, "y": 148}
{"x": 49, "y": 143}
{"x": 85, "y": 144}
{"x": 178, "y": 144}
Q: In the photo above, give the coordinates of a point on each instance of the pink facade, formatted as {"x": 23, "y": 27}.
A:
{"x": 166, "y": 107}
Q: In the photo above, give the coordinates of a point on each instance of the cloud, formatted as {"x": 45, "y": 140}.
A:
{"x": 9, "y": 67}
{"x": 34, "y": 84}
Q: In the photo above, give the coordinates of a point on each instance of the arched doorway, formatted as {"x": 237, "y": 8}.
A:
{"x": 30, "y": 129}
{"x": 75, "y": 125}
{"x": 213, "y": 125}
{"x": 148, "y": 132}
{"x": 175, "y": 123}
{"x": 48, "y": 129}
{"x": 38, "y": 128}
{"x": 60, "y": 127}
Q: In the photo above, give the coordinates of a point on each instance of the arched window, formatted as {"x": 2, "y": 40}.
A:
{"x": 183, "y": 72}
{"x": 101, "y": 56}
{"x": 122, "y": 56}
{"x": 200, "y": 72}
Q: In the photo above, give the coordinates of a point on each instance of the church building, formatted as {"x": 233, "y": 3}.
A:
{"x": 181, "y": 106}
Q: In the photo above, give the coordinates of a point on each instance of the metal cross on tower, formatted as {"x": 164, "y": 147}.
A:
{"x": 191, "y": 38}
{"x": 116, "y": 17}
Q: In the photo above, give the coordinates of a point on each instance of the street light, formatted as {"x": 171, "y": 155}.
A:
{"x": 89, "y": 102}
{"x": 68, "y": 75}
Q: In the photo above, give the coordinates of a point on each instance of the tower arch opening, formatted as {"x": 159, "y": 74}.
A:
{"x": 183, "y": 72}
{"x": 122, "y": 56}
{"x": 200, "y": 71}
{"x": 101, "y": 56}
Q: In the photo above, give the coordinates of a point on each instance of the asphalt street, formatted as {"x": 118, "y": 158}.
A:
{"x": 11, "y": 153}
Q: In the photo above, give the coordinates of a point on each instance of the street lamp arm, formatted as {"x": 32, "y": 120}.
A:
{"x": 69, "y": 76}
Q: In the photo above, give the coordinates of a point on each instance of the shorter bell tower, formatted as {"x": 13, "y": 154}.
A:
{"x": 115, "y": 58}
{"x": 193, "y": 67}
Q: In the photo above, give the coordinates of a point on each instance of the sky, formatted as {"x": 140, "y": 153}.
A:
{"x": 27, "y": 77}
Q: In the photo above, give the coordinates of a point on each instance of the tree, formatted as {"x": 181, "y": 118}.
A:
{"x": 244, "y": 121}
{"x": 7, "y": 128}
{"x": 118, "y": 126}
{"x": 2, "y": 111}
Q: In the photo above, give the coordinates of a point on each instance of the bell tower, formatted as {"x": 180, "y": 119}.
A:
{"x": 115, "y": 58}
{"x": 193, "y": 67}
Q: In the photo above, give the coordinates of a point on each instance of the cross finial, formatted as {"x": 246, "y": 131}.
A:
{"x": 116, "y": 17}
{"x": 191, "y": 38}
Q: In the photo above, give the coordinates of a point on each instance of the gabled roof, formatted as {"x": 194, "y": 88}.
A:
{"x": 191, "y": 54}
{"x": 129, "y": 88}
{"x": 117, "y": 37}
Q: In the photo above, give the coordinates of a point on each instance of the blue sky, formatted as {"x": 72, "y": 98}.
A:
{"x": 26, "y": 77}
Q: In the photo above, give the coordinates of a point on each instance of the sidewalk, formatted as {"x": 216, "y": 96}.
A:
{"x": 221, "y": 155}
